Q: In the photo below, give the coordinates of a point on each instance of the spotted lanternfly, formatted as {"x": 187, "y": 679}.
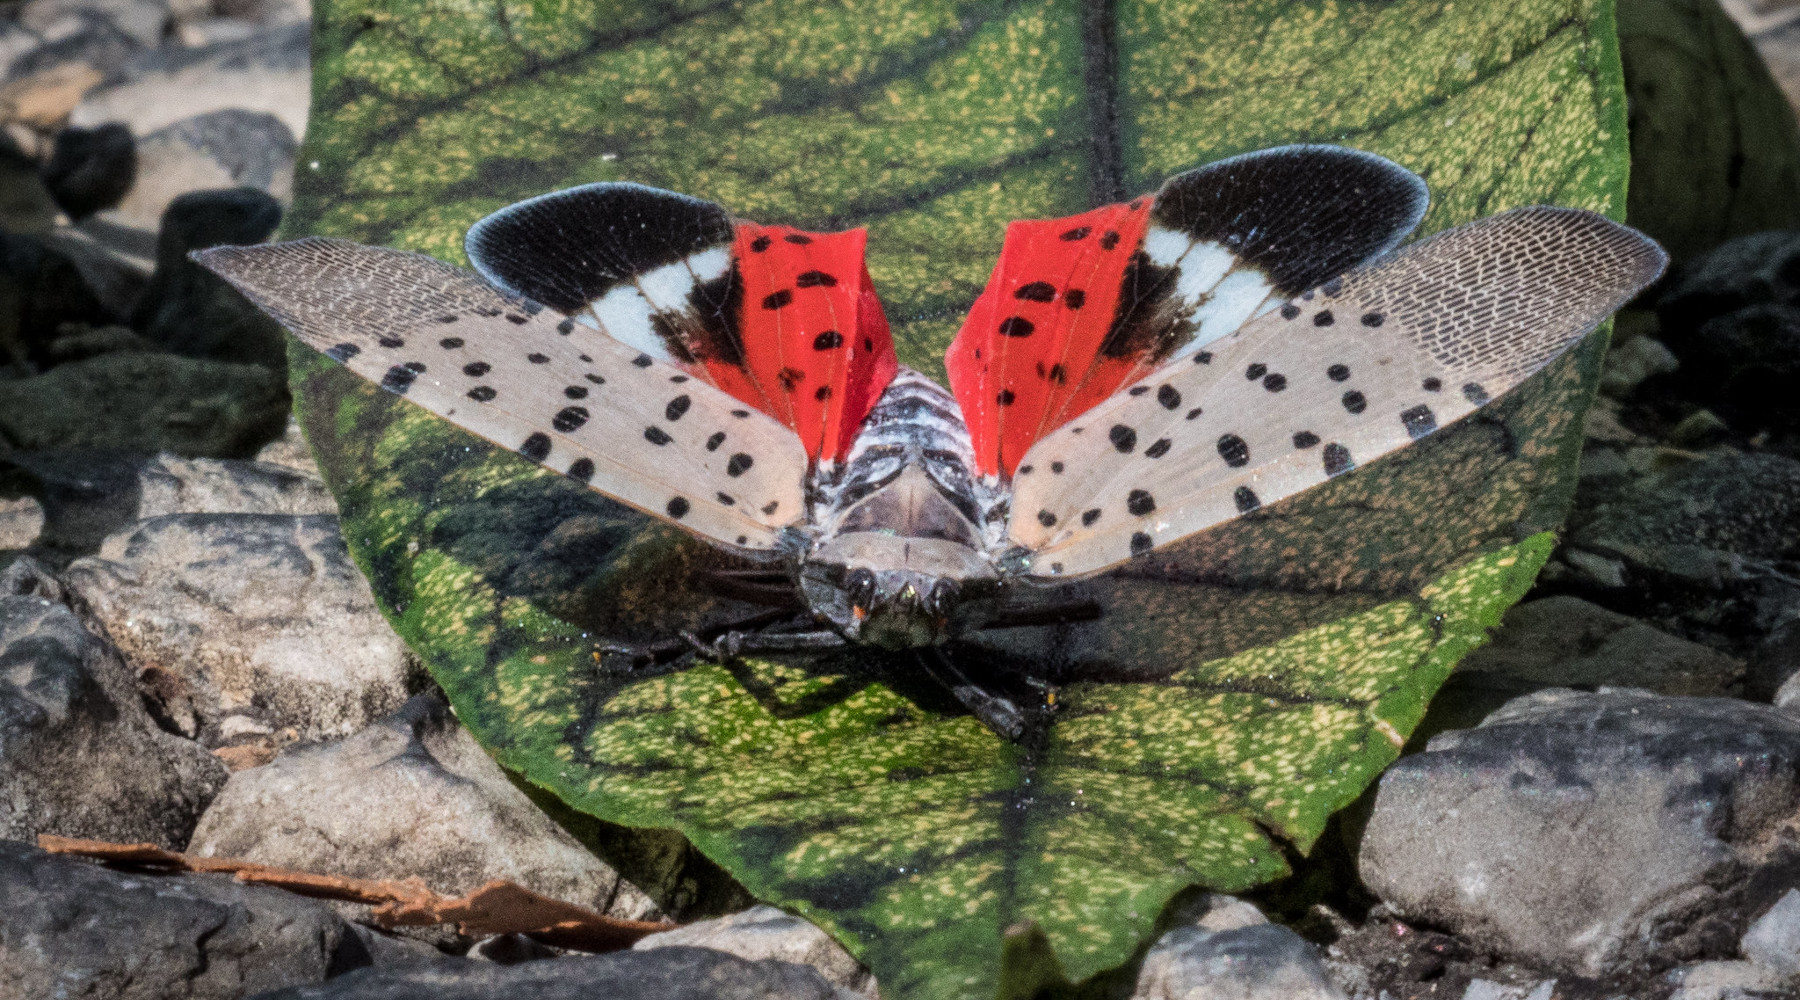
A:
{"x": 1129, "y": 377}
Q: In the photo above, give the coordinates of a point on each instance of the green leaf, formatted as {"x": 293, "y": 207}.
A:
{"x": 1715, "y": 150}
{"x": 1234, "y": 706}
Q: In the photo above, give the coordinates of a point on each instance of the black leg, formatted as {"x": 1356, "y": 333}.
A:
{"x": 657, "y": 654}
{"x": 995, "y": 712}
{"x": 735, "y": 643}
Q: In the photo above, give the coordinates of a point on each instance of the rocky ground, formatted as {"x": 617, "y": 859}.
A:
{"x": 1604, "y": 802}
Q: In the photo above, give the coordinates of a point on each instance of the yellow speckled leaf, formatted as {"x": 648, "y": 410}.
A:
{"x": 1222, "y": 709}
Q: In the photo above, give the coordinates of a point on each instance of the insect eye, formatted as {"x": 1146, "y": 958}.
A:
{"x": 860, "y": 586}
{"x": 943, "y": 595}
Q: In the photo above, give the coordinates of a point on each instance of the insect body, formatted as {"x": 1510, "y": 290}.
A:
{"x": 1129, "y": 377}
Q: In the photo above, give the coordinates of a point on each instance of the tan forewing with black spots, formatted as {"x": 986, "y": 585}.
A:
{"x": 591, "y": 407}
{"x": 1330, "y": 381}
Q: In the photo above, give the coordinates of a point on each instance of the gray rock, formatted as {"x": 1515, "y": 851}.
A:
{"x": 1742, "y": 364}
{"x": 91, "y": 168}
{"x": 1591, "y": 831}
{"x": 26, "y": 208}
{"x": 410, "y": 795}
{"x": 1699, "y": 544}
{"x": 268, "y": 72}
{"x": 117, "y": 280}
{"x": 191, "y": 311}
{"x": 40, "y": 289}
{"x": 1485, "y": 989}
{"x": 1773, "y": 663}
{"x": 71, "y": 928}
{"x": 21, "y": 520}
{"x": 766, "y": 932}
{"x": 1215, "y": 911}
{"x": 1727, "y": 981}
{"x": 227, "y": 148}
{"x": 1773, "y": 942}
{"x": 79, "y": 754}
{"x": 1628, "y": 364}
{"x": 666, "y": 974}
{"x": 257, "y": 615}
{"x": 87, "y": 37}
{"x": 142, "y": 20}
{"x": 291, "y": 451}
{"x": 1747, "y": 271}
{"x": 144, "y": 403}
{"x": 1744, "y": 505}
{"x": 88, "y": 498}
{"x": 170, "y": 484}
{"x": 1565, "y": 641}
{"x": 1258, "y": 962}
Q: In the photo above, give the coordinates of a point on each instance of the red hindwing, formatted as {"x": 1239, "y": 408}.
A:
{"x": 1027, "y": 359}
{"x": 817, "y": 352}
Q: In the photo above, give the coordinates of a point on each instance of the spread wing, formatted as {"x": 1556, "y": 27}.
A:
{"x": 784, "y": 320}
{"x": 596, "y": 409}
{"x": 1331, "y": 380}
{"x": 1079, "y": 307}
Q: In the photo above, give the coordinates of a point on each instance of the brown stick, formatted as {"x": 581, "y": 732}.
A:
{"x": 499, "y": 907}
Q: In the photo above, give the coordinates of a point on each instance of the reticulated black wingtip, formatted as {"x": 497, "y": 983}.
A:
{"x": 1303, "y": 214}
{"x": 567, "y": 248}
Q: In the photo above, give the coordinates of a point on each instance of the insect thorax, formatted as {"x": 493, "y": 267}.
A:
{"x": 906, "y": 528}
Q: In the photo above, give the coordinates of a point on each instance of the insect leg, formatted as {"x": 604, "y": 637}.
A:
{"x": 995, "y": 712}
{"x": 734, "y": 644}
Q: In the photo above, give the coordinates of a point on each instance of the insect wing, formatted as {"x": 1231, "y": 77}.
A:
{"x": 1079, "y": 307}
{"x": 1327, "y": 382}
{"x": 595, "y": 409}
{"x": 784, "y": 320}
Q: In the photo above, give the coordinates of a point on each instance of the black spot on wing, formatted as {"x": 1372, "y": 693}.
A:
{"x": 1337, "y": 459}
{"x": 567, "y": 248}
{"x": 1234, "y": 450}
{"x": 1036, "y": 291}
{"x": 1246, "y": 499}
{"x": 342, "y": 353}
{"x": 536, "y": 447}
{"x": 1419, "y": 421}
{"x": 398, "y": 379}
{"x": 581, "y": 470}
{"x": 1300, "y": 214}
{"x": 716, "y": 306}
{"x": 1139, "y": 330}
